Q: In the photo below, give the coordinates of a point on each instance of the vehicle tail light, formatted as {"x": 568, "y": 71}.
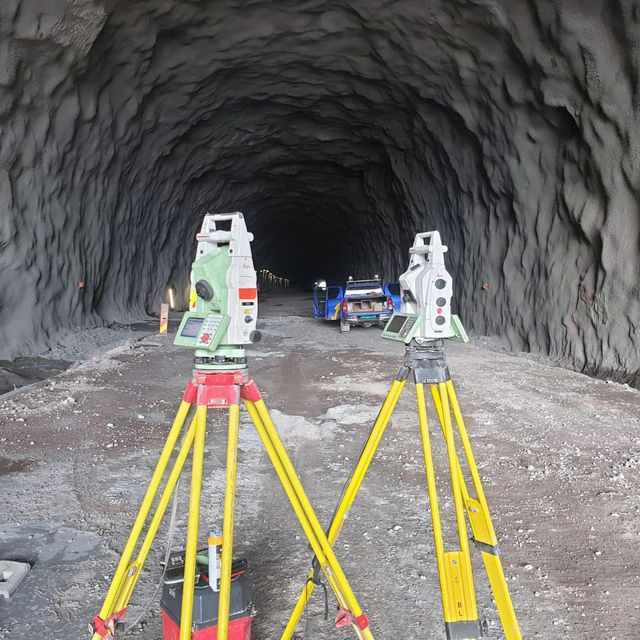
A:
{"x": 345, "y": 306}
{"x": 390, "y": 304}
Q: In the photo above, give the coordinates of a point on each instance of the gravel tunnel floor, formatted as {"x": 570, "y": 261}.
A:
{"x": 558, "y": 452}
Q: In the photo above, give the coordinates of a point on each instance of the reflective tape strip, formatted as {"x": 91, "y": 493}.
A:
{"x": 164, "y": 318}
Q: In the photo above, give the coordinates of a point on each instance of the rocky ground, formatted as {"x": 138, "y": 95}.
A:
{"x": 559, "y": 454}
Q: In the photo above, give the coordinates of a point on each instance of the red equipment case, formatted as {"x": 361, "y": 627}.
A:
{"x": 205, "y": 605}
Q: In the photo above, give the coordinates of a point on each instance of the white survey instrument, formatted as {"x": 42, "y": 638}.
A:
{"x": 426, "y": 288}
{"x": 224, "y": 299}
{"x": 211, "y": 235}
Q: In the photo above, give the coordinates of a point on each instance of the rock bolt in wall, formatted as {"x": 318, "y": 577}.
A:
{"x": 340, "y": 129}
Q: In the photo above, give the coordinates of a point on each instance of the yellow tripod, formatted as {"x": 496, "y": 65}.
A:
{"x": 428, "y": 364}
{"x": 222, "y": 390}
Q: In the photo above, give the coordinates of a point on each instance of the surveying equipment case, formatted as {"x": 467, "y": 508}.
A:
{"x": 205, "y": 604}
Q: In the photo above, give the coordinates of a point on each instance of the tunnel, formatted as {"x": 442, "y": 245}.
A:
{"x": 340, "y": 129}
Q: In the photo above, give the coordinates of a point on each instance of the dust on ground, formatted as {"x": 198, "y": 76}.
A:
{"x": 559, "y": 454}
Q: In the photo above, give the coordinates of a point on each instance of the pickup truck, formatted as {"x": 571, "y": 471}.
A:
{"x": 360, "y": 302}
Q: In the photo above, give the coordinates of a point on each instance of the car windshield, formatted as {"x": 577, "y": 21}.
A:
{"x": 364, "y": 288}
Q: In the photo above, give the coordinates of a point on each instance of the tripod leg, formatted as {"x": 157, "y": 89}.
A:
{"x": 433, "y": 497}
{"x": 471, "y": 503}
{"x": 280, "y": 470}
{"x": 483, "y": 532}
{"x": 107, "y": 611}
{"x": 133, "y": 572}
{"x": 461, "y": 613}
{"x": 308, "y": 520}
{"x": 484, "y": 535}
{"x": 186, "y": 616}
{"x": 227, "y": 526}
{"x": 351, "y": 490}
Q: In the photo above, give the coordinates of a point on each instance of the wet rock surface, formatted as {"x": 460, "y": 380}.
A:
{"x": 340, "y": 129}
{"x": 558, "y": 453}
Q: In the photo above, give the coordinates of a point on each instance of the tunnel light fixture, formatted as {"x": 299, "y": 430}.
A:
{"x": 172, "y": 302}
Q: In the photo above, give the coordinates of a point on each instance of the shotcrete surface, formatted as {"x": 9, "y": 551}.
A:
{"x": 558, "y": 451}
{"x": 340, "y": 129}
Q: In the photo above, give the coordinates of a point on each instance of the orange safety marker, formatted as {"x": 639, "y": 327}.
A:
{"x": 164, "y": 318}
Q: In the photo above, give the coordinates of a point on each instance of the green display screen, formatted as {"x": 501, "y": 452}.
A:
{"x": 402, "y": 327}
{"x": 395, "y": 324}
{"x": 192, "y": 327}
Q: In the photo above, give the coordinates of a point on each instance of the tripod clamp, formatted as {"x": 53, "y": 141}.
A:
{"x": 427, "y": 361}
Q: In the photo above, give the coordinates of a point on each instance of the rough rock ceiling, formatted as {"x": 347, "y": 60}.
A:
{"x": 340, "y": 129}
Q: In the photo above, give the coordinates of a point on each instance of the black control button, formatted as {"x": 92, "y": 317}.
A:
{"x": 440, "y": 320}
{"x": 441, "y": 302}
{"x": 204, "y": 290}
{"x": 441, "y": 283}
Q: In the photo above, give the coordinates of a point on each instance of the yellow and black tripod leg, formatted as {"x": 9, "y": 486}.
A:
{"x": 484, "y": 535}
{"x": 228, "y": 522}
{"x": 117, "y": 597}
{"x": 133, "y": 573}
{"x": 454, "y": 567}
{"x": 308, "y": 520}
{"x": 351, "y": 490}
{"x": 186, "y": 616}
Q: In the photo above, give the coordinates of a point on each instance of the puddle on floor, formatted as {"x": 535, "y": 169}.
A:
{"x": 27, "y": 370}
{"x": 23, "y": 371}
{"x": 9, "y": 465}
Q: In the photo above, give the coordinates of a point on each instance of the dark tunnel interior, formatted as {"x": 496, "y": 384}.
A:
{"x": 340, "y": 130}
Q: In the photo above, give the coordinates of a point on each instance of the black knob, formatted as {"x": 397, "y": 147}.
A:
{"x": 248, "y": 319}
{"x": 255, "y": 336}
{"x": 441, "y": 302}
{"x": 441, "y": 283}
{"x": 440, "y": 320}
{"x": 204, "y": 290}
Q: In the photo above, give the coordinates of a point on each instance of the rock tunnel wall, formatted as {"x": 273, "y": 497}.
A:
{"x": 340, "y": 129}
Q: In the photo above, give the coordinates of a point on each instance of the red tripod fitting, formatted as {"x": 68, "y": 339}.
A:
{"x": 107, "y": 628}
{"x": 219, "y": 390}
